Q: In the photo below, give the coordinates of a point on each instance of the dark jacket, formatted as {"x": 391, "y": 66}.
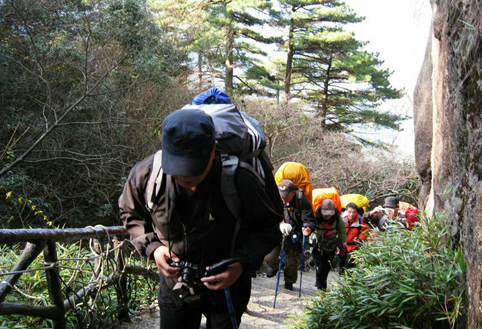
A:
{"x": 298, "y": 213}
{"x": 200, "y": 229}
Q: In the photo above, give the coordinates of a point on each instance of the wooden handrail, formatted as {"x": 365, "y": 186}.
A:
{"x": 55, "y": 235}
{"x": 45, "y": 240}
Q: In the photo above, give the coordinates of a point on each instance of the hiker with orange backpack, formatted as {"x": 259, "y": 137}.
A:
{"x": 330, "y": 235}
{"x": 298, "y": 174}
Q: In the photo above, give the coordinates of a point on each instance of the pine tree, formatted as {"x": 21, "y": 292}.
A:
{"x": 240, "y": 20}
{"x": 223, "y": 34}
{"x": 326, "y": 66}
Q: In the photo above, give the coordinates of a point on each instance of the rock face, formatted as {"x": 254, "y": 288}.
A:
{"x": 422, "y": 118}
{"x": 449, "y": 93}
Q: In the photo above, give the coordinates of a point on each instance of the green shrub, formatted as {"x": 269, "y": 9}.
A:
{"x": 77, "y": 269}
{"x": 403, "y": 280}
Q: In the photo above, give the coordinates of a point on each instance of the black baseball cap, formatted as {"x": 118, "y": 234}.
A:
{"x": 188, "y": 138}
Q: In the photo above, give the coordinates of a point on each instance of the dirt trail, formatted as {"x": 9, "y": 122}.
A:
{"x": 261, "y": 313}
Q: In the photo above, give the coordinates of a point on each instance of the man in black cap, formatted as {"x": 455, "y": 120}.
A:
{"x": 298, "y": 220}
{"x": 392, "y": 211}
{"x": 392, "y": 216}
{"x": 391, "y": 207}
{"x": 190, "y": 227}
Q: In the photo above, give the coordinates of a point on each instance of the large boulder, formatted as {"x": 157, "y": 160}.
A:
{"x": 455, "y": 104}
{"x": 422, "y": 116}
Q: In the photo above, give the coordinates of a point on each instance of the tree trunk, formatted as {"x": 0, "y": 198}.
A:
{"x": 229, "y": 76}
{"x": 289, "y": 65}
{"x": 324, "y": 101}
{"x": 199, "y": 72}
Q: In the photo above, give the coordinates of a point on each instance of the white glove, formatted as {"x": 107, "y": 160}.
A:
{"x": 285, "y": 228}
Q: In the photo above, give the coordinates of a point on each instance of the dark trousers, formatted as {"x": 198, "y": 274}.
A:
{"x": 291, "y": 259}
{"x": 178, "y": 314}
{"x": 346, "y": 262}
{"x": 324, "y": 263}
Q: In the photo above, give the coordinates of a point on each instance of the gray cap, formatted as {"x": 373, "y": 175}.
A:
{"x": 391, "y": 202}
{"x": 285, "y": 187}
{"x": 328, "y": 207}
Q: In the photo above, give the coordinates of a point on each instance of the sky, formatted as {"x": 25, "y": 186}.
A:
{"x": 398, "y": 31}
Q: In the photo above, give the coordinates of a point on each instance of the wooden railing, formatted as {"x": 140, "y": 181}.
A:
{"x": 46, "y": 240}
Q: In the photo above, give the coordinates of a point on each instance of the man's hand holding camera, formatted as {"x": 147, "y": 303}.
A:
{"x": 161, "y": 256}
{"x": 213, "y": 281}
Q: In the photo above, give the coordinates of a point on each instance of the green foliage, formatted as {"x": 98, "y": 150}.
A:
{"x": 403, "y": 279}
{"x": 77, "y": 268}
{"x": 81, "y": 85}
{"x": 325, "y": 66}
{"x": 17, "y": 211}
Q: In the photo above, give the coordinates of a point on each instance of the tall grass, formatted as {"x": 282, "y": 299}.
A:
{"x": 403, "y": 280}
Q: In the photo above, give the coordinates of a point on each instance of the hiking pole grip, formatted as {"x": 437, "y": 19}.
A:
{"x": 221, "y": 266}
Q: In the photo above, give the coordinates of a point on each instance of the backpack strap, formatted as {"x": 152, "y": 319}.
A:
{"x": 229, "y": 165}
{"x": 355, "y": 224}
{"x": 298, "y": 198}
{"x": 154, "y": 182}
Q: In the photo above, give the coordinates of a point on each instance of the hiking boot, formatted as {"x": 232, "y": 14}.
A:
{"x": 271, "y": 273}
{"x": 288, "y": 286}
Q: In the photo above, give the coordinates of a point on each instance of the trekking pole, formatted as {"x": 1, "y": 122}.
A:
{"x": 230, "y": 308}
{"x": 279, "y": 269}
{"x": 302, "y": 262}
{"x": 219, "y": 268}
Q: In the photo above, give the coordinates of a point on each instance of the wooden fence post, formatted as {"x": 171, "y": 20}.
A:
{"x": 121, "y": 286}
{"x": 53, "y": 284}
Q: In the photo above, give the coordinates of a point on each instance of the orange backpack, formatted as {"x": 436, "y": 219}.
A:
{"x": 320, "y": 194}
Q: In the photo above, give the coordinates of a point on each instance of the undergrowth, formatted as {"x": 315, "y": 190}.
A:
{"x": 403, "y": 279}
{"x": 78, "y": 269}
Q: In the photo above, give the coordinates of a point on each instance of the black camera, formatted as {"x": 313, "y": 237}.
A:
{"x": 189, "y": 272}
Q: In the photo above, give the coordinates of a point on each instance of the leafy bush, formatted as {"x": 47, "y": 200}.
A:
{"x": 79, "y": 267}
{"x": 403, "y": 280}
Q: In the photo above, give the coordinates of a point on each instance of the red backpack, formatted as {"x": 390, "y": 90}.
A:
{"x": 410, "y": 211}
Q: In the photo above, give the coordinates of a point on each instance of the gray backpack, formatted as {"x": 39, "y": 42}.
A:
{"x": 241, "y": 143}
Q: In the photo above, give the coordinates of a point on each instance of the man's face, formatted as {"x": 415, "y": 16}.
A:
{"x": 190, "y": 182}
{"x": 391, "y": 212}
{"x": 351, "y": 213}
{"x": 326, "y": 217}
{"x": 289, "y": 197}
